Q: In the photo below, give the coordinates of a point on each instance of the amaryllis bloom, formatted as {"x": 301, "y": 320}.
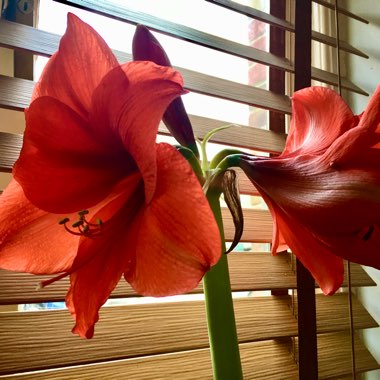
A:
{"x": 323, "y": 191}
{"x": 90, "y": 155}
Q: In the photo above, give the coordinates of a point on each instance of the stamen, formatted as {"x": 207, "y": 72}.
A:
{"x": 83, "y": 227}
{"x": 77, "y": 224}
{"x": 42, "y": 284}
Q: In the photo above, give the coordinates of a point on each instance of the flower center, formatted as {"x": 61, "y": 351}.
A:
{"x": 82, "y": 227}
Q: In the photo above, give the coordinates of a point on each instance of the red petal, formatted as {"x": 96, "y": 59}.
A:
{"x": 319, "y": 117}
{"x": 101, "y": 261}
{"x": 323, "y": 199}
{"x": 360, "y": 146}
{"x": 326, "y": 267}
{"x": 293, "y": 196}
{"x": 131, "y": 101}
{"x": 77, "y": 68}
{"x": 370, "y": 118}
{"x": 116, "y": 213}
{"x": 178, "y": 238}
{"x": 90, "y": 288}
{"x": 62, "y": 168}
{"x": 31, "y": 239}
{"x": 361, "y": 247}
{"x": 278, "y": 240}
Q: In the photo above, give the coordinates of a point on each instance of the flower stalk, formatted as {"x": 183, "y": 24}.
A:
{"x": 224, "y": 345}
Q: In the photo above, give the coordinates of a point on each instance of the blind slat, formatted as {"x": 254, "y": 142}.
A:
{"x": 335, "y": 361}
{"x": 240, "y": 136}
{"x": 10, "y": 96}
{"x": 249, "y": 271}
{"x": 193, "y": 35}
{"x": 10, "y": 146}
{"x": 343, "y": 45}
{"x": 180, "y": 31}
{"x": 13, "y": 35}
{"x": 330, "y": 78}
{"x": 130, "y": 331}
{"x": 269, "y": 360}
{"x": 225, "y": 89}
{"x": 275, "y": 21}
{"x": 342, "y": 10}
{"x": 257, "y": 226}
{"x": 123, "y": 330}
{"x": 255, "y": 14}
{"x": 15, "y": 93}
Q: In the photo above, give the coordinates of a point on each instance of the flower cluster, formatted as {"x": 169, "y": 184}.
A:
{"x": 93, "y": 195}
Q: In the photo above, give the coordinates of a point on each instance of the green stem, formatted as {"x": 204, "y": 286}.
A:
{"x": 224, "y": 344}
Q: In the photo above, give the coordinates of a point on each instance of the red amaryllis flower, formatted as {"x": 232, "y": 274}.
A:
{"x": 90, "y": 145}
{"x": 323, "y": 191}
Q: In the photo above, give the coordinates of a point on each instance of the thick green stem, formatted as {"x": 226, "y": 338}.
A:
{"x": 220, "y": 312}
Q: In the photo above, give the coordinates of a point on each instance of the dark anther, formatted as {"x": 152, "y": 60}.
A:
{"x": 82, "y": 226}
{"x": 77, "y": 224}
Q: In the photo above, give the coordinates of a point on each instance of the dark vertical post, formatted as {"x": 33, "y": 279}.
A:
{"x": 23, "y": 12}
{"x": 277, "y": 76}
{"x": 277, "y": 79}
{"x": 307, "y": 330}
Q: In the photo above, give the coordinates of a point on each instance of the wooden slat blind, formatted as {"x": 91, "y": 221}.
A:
{"x": 19, "y": 36}
{"x": 169, "y": 326}
{"x": 188, "y": 34}
{"x": 169, "y": 339}
{"x": 18, "y": 288}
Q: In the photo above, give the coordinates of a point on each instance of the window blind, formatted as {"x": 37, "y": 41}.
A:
{"x": 169, "y": 339}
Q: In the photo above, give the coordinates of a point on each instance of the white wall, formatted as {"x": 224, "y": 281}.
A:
{"x": 366, "y": 74}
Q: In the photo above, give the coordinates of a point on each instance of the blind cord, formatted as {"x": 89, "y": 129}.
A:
{"x": 338, "y": 47}
{"x": 352, "y": 331}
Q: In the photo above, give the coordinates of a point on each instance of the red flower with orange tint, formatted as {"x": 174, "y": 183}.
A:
{"x": 323, "y": 191}
{"x": 90, "y": 145}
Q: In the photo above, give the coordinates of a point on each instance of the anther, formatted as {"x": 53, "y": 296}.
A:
{"x": 82, "y": 227}
{"x": 77, "y": 224}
